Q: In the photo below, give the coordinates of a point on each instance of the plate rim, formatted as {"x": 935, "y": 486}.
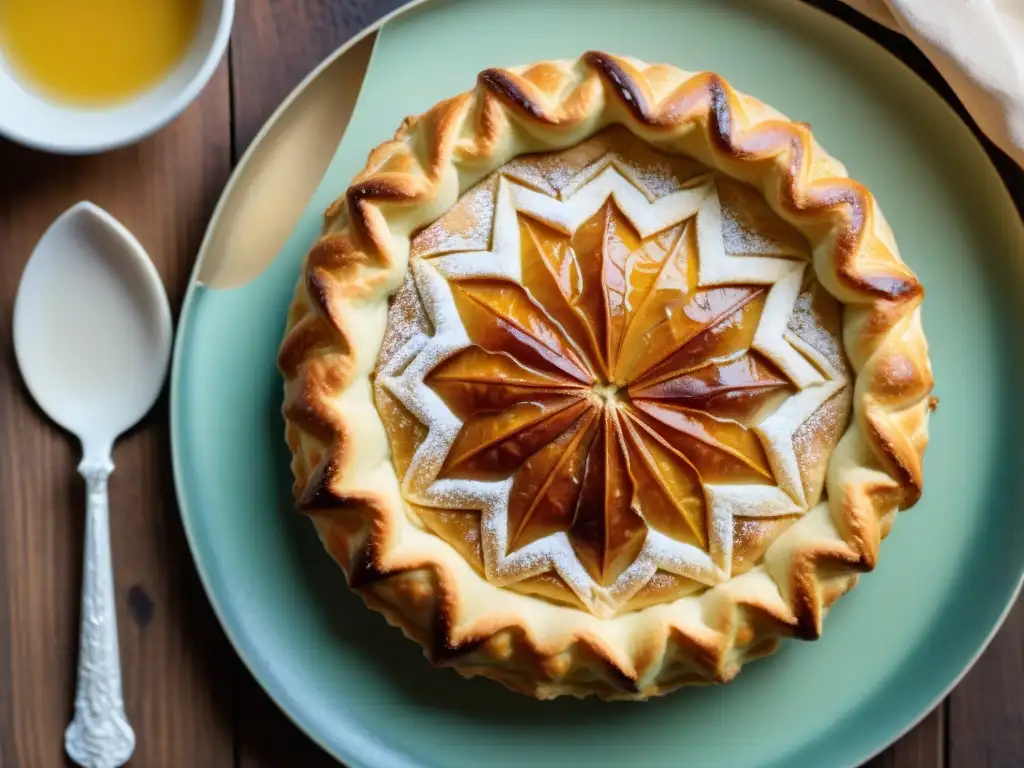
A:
{"x": 341, "y": 751}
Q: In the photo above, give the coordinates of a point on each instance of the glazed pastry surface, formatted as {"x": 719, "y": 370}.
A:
{"x": 604, "y": 377}
{"x": 644, "y": 373}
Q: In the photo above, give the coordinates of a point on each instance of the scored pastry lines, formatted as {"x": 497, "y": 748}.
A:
{"x": 503, "y": 260}
{"x": 770, "y": 338}
{"x": 647, "y": 217}
{"x": 565, "y": 187}
{"x": 406, "y": 370}
{"x": 723, "y": 268}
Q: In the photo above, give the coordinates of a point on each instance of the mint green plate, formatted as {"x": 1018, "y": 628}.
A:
{"x": 891, "y": 648}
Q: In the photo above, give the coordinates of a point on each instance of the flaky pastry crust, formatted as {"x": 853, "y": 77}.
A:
{"x": 344, "y": 479}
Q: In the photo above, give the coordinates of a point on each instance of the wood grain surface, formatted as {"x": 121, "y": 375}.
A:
{"x": 173, "y": 652}
{"x": 190, "y": 699}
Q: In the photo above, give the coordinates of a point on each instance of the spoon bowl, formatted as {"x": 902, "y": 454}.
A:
{"x": 92, "y": 336}
{"x": 92, "y": 326}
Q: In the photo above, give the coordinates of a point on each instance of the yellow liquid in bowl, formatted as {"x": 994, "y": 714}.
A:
{"x": 95, "y": 51}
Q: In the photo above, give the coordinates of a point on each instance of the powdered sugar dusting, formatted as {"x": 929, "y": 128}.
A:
{"x": 546, "y": 179}
{"x": 752, "y": 536}
{"x": 479, "y": 238}
{"x": 557, "y": 174}
{"x": 770, "y": 338}
{"x": 805, "y": 439}
{"x": 646, "y": 216}
{"x": 819, "y": 330}
{"x": 746, "y": 531}
{"x": 750, "y": 227}
{"x": 466, "y": 227}
{"x": 816, "y": 438}
{"x": 406, "y": 320}
{"x": 656, "y": 177}
{"x": 739, "y": 239}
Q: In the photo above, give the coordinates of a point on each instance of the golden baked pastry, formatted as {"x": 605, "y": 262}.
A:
{"x": 603, "y": 378}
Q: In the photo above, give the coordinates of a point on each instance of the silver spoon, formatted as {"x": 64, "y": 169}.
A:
{"x": 92, "y": 335}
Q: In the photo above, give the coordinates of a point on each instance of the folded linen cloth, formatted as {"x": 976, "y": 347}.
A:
{"x": 978, "y": 47}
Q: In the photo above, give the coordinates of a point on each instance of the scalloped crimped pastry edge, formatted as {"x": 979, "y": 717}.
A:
{"x": 343, "y": 476}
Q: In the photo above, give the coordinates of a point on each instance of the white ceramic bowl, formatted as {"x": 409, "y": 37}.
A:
{"x": 38, "y": 121}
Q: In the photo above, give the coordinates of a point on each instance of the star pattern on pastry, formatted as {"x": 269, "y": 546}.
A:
{"x": 639, "y": 380}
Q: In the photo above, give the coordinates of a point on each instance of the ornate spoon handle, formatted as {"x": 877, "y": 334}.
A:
{"x": 99, "y": 736}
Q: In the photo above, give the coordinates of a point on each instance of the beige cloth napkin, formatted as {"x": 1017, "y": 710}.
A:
{"x": 978, "y": 47}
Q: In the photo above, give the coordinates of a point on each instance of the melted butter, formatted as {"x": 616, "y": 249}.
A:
{"x": 95, "y": 52}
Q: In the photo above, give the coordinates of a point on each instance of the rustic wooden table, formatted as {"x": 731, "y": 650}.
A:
{"x": 192, "y": 702}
